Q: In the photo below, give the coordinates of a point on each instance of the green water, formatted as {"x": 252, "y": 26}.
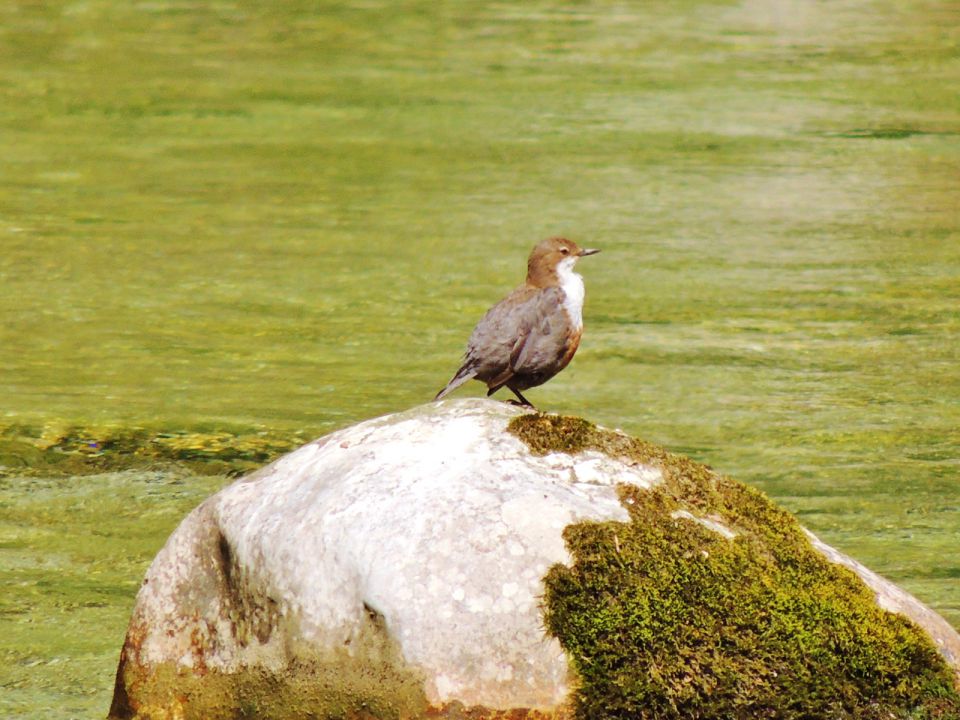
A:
{"x": 249, "y": 216}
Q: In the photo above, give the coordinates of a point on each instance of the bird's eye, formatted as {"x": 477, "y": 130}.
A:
{"x": 564, "y": 251}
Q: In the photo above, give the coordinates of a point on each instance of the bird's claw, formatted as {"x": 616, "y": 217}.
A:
{"x": 517, "y": 403}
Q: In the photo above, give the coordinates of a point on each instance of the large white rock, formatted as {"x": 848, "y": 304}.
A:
{"x": 435, "y": 522}
{"x": 412, "y": 545}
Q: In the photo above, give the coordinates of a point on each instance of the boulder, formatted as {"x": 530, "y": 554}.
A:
{"x": 471, "y": 559}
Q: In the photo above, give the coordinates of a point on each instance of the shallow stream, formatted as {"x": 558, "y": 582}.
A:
{"x": 236, "y": 219}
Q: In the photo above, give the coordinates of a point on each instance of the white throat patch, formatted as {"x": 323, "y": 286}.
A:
{"x": 572, "y": 286}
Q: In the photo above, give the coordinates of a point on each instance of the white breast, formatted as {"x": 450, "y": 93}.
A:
{"x": 572, "y": 285}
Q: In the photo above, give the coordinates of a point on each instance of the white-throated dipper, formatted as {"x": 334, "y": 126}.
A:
{"x": 530, "y": 335}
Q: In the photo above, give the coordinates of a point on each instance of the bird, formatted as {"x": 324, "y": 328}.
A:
{"x": 533, "y": 333}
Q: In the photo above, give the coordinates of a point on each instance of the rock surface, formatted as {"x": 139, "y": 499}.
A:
{"x": 391, "y": 569}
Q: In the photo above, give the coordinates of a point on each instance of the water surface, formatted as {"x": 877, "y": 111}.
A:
{"x": 240, "y": 217}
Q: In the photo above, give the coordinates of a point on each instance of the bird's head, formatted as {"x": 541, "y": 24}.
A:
{"x": 552, "y": 256}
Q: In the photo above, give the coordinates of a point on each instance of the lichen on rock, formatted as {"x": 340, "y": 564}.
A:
{"x": 666, "y": 617}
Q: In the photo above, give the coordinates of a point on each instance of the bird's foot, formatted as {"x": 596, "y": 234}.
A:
{"x": 517, "y": 403}
{"x": 523, "y": 401}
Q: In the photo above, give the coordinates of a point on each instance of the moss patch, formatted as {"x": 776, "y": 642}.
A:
{"x": 58, "y": 449}
{"x": 664, "y": 618}
{"x": 341, "y": 686}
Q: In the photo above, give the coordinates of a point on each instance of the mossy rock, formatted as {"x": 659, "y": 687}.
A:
{"x": 664, "y": 617}
{"x": 60, "y": 449}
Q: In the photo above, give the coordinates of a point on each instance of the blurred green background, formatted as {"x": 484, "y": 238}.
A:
{"x": 286, "y": 217}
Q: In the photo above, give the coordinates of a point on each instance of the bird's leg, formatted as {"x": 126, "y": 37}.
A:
{"x": 523, "y": 401}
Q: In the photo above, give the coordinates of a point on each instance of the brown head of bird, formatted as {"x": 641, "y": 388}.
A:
{"x": 547, "y": 258}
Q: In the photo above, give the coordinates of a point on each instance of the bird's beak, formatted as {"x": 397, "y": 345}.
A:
{"x": 588, "y": 251}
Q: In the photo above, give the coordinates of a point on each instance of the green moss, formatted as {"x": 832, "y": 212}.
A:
{"x": 339, "y": 686}
{"x": 663, "y": 617}
{"x": 59, "y": 449}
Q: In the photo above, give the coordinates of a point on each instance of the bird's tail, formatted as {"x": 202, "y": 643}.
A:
{"x": 463, "y": 375}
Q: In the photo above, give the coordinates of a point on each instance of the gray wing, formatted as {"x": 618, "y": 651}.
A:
{"x": 502, "y": 332}
{"x": 546, "y": 339}
{"x": 521, "y": 334}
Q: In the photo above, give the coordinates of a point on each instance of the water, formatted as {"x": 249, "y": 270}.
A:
{"x": 241, "y": 217}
